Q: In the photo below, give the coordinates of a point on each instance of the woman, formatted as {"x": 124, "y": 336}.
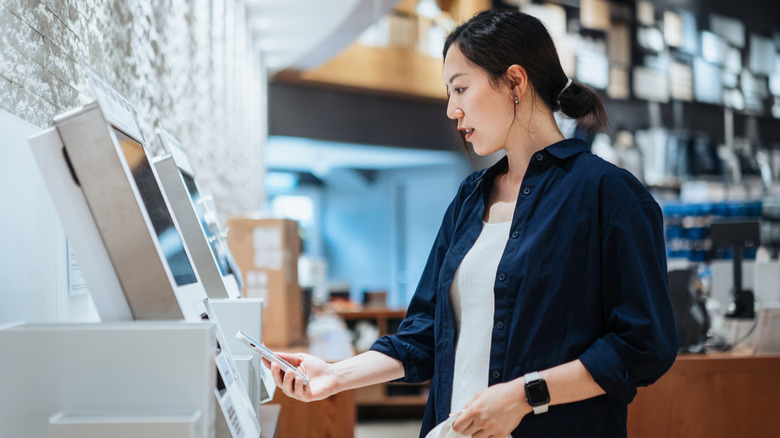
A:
{"x": 544, "y": 302}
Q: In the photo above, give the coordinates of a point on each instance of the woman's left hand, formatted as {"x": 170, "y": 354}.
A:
{"x": 494, "y": 412}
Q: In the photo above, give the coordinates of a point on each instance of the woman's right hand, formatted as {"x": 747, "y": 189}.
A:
{"x": 322, "y": 377}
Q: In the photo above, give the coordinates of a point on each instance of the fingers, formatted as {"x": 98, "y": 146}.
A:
{"x": 276, "y": 371}
{"x": 291, "y": 386}
{"x": 462, "y": 424}
{"x": 287, "y": 384}
{"x": 302, "y": 392}
{"x": 281, "y": 378}
{"x": 471, "y": 429}
{"x": 470, "y": 423}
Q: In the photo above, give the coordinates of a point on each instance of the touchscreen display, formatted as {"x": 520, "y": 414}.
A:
{"x": 216, "y": 248}
{"x": 169, "y": 239}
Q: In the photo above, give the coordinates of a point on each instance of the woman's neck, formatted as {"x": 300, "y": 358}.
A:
{"x": 536, "y": 132}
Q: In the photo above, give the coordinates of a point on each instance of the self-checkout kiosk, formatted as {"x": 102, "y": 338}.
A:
{"x": 158, "y": 359}
{"x": 182, "y": 191}
{"x": 215, "y": 265}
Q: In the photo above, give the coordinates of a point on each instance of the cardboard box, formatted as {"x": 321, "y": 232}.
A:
{"x": 403, "y": 32}
{"x": 267, "y": 251}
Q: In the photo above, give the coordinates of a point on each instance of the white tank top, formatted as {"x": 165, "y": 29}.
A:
{"x": 473, "y": 304}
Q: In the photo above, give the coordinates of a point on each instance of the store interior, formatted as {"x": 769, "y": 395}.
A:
{"x": 324, "y": 163}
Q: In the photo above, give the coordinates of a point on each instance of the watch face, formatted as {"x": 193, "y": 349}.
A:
{"x": 536, "y": 393}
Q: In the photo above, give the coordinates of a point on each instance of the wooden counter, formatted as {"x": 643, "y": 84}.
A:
{"x": 711, "y": 396}
{"x": 333, "y": 417}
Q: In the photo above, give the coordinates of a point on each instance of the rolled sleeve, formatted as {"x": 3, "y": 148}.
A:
{"x": 413, "y": 346}
{"x": 641, "y": 342}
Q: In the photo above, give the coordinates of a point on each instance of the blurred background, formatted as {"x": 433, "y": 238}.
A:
{"x": 330, "y": 116}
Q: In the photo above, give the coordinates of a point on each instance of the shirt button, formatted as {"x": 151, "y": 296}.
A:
{"x": 539, "y": 157}
{"x": 501, "y": 276}
{"x": 515, "y": 234}
{"x": 527, "y": 191}
{"x": 500, "y": 325}
{"x": 496, "y": 374}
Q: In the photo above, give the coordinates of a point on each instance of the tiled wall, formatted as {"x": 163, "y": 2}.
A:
{"x": 188, "y": 64}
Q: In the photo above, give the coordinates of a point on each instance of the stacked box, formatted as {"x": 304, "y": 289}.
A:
{"x": 267, "y": 251}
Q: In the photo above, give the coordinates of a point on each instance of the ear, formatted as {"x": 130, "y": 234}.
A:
{"x": 518, "y": 80}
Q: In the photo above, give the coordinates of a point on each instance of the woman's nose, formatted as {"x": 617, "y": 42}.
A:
{"x": 453, "y": 112}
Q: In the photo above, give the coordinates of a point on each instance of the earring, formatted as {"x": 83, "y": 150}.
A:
{"x": 517, "y": 102}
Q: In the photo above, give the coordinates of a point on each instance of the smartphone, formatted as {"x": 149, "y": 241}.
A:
{"x": 271, "y": 356}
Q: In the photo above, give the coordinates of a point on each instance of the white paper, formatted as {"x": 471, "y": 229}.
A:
{"x": 268, "y": 247}
{"x": 116, "y": 108}
{"x": 176, "y": 149}
{"x": 257, "y": 286}
{"x": 268, "y": 387}
{"x": 76, "y": 283}
{"x": 768, "y": 331}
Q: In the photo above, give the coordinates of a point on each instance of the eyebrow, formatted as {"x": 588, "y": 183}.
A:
{"x": 454, "y": 76}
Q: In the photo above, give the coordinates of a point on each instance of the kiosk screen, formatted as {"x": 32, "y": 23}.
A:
{"x": 216, "y": 248}
{"x": 169, "y": 238}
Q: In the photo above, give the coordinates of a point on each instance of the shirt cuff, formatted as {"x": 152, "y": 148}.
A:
{"x": 397, "y": 349}
{"x": 608, "y": 371}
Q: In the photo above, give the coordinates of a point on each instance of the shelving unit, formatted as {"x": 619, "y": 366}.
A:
{"x": 401, "y": 395}
{"x": 377, "y": 70}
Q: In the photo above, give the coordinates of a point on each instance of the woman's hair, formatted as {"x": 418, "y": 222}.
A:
{"x": 499, "y": 38}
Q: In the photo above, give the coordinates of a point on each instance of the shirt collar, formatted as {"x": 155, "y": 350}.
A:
{"x": 561, "y": 150}
{"x": 567, "y": 148}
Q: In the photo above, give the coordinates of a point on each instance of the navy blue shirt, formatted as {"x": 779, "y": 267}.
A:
{"x": 583, "y": 277}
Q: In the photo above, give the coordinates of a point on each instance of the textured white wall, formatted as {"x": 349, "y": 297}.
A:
{"x": 188, "y": 64}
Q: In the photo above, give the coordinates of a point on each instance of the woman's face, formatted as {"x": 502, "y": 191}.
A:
{"x": 483, "y": 111}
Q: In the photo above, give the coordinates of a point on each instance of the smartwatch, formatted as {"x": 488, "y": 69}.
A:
{"x": 536, "y": 393}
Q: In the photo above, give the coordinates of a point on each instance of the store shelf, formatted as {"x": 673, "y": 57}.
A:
{"x": 386, "y": 320}
{"x": 385, "y": 394}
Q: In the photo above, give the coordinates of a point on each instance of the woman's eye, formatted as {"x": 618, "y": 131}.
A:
{"x": 460, "y": 90}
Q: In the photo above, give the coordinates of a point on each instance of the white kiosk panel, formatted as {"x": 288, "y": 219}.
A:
{"x": 138, "y": 371}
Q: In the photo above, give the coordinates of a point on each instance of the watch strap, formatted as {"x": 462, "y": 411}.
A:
{"x": 540, "y": 409}
{"x": 534, "y": 375}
